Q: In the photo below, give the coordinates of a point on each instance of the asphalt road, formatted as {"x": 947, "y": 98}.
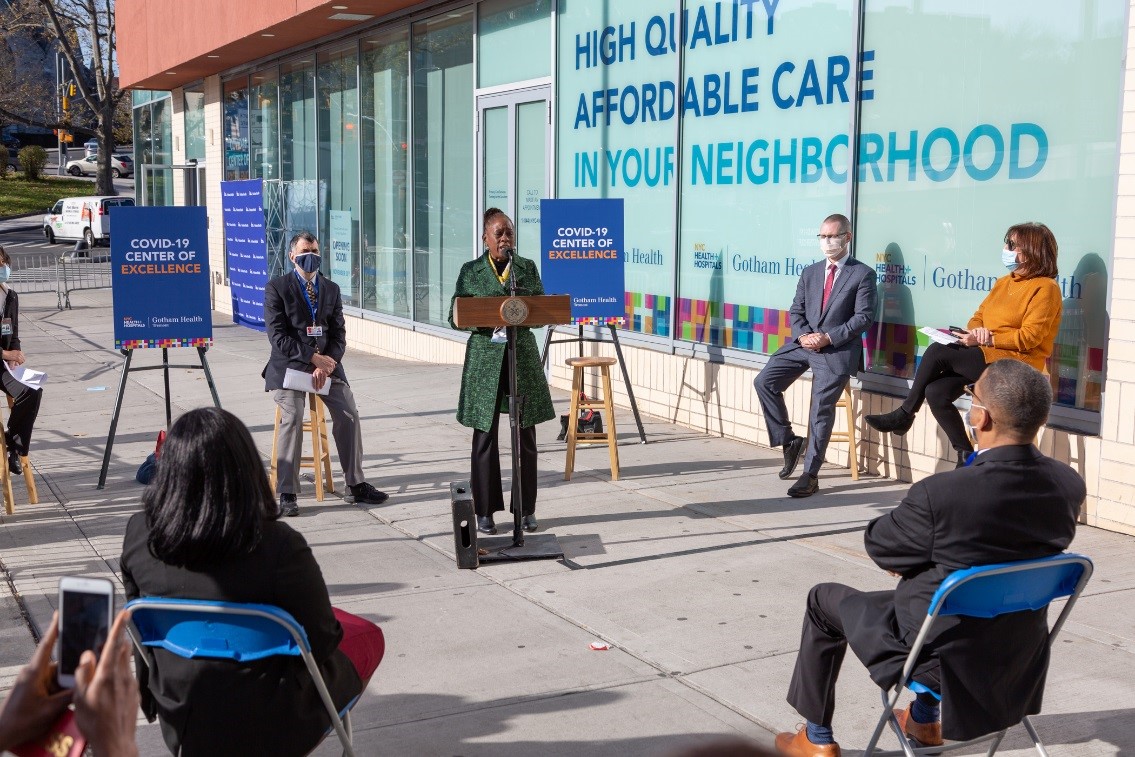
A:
{"x": 29, "y": 249}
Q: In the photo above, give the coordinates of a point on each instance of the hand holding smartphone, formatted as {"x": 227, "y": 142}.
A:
{"x": 86, "y": 606}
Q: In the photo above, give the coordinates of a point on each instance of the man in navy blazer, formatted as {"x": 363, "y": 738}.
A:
{"x": 303, "y": 314}
{"x": 834, "y": 305}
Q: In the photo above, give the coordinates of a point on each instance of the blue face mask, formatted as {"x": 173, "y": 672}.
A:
{"x": 5, "y": 272}
{"x": 308, "y": 262}
{"x": 1009, "y": 259}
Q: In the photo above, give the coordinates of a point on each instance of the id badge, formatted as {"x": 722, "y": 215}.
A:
{"x": 500, "y": 335}
{"x": 6, "y": 327}
{"x": 315, "y": 331}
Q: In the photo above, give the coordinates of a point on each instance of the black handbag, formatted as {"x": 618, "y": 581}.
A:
{"x": 589, "y": 422}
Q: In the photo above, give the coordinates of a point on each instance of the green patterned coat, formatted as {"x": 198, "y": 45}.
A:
{"x": 484, "y": 360}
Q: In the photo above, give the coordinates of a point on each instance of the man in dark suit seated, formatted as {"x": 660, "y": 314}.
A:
{"x": 834, "y": 305}
{"x": 303, "y": 314}
{"x": 1010, "y": 503}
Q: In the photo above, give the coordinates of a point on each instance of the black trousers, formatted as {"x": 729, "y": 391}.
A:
{"x": 941, "y": 377}
{"x": 485, "y": 461}
{"x": 823, "y": 643}
{"x": 24, "y": 411}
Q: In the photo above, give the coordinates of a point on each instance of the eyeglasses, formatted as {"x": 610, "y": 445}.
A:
{"x": 831, "y": 237}
{"x": 1011, "y": 245}
{"x": 969, "y": 389}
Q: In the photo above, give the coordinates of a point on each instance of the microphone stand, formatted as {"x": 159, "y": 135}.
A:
{"x": 515, "y": 407}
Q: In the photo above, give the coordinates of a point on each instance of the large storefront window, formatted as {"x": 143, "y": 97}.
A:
{"x": 444, "y": 228}
{"x": 297, "y": 120}
{"x": 153, "y": 139}
{"x": 1021, "y": 127}
{"x": 617, "y": 137}
{"x": 512, "y": 41}
{"x": 385, "y": 93}
{"x": 235, "y": 129}
{"x": 337, "y": 96}
{"x": 264, "y": 125}
{"x": 764, "y": 161}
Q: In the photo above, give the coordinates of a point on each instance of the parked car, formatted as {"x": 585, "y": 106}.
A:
{"x": 120, "y": 165}
{"x": 91, "y": 147}
{"x": 86, "y": 218}
{"x": 12, "y": 144}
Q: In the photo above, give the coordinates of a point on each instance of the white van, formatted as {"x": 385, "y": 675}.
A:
{"x": 86, "y": 218}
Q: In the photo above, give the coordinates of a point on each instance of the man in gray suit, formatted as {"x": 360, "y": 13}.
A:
{"x": 834, "y": 305}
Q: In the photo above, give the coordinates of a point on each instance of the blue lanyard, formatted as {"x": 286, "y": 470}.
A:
{"x": 303, "y": 292}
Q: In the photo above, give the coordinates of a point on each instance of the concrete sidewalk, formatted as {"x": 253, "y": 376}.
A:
{"x": 694, "y": 567}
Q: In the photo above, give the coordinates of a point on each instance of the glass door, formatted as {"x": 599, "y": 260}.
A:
{"x": 515, "y": 153}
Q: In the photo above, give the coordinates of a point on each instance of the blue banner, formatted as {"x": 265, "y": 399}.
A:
{"x": 242, "y": 205}
{"x": 160, "y": 278}
{"x": 582, "y": 255}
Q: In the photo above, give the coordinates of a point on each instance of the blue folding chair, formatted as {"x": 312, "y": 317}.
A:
{"x": 987, "y": 591}
{"x": 204, "y": 629}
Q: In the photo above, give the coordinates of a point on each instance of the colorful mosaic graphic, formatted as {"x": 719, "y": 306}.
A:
{"x": 139, "y": 344}
{"x": 894, "y": 348}
{"x": 648, "y": 313}
{"x": 743, "y": 327}
{"x": 617, "y": 320}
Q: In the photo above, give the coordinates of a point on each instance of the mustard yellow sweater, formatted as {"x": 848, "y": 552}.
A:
{"x": 1024, "y": 316}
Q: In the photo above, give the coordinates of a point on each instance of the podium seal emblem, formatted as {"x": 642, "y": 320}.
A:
{"x": 514, "y": 311}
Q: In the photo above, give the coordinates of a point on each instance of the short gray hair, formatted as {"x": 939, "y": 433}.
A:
{"x": 303, "y": 236}
{"x": 843, "y": 221}
{"x": 1017, "y": 395}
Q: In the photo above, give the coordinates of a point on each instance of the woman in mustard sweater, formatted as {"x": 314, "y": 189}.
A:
{"x": 1018, "y": 319}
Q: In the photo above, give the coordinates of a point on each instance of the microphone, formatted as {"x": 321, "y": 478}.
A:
{"x": 510, "y": 252}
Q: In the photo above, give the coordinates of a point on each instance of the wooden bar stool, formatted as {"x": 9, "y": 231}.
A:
{"x": 849, "y": 435}
{"x": 6, "y": 473}
{"x": 608, "y": 437}
{"x": 320, "y": 458}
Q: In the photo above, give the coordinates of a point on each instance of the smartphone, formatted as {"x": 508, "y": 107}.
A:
{"x": 958, "y": 330}
{"x": 86, "y": 606}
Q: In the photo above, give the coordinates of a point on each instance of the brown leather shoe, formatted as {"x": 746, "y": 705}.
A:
{"x": 797, "y": 745}
{"x": 926, "y": 734}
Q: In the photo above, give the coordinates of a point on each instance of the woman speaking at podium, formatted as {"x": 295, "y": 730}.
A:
{"x": 484, "y": 380}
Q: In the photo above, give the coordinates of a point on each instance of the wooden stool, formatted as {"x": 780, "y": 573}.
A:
{"x": 6, "y": 474}
{"x": 578, "y": 364}
{"x": 320, "y": 458}
{"x": 848, "y": 436}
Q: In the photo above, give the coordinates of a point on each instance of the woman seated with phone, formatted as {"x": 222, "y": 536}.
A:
{"x": 1018, "y": 319}
{"x": 211, "y": 530}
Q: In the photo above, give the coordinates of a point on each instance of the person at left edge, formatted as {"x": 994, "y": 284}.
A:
{"x": 484, "y": 379}
{"x": 303, "y": 314}
{"x": 27, "y": 400}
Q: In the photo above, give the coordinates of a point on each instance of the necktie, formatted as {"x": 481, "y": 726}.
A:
{"x": 311, "y": 295}
{"x": 827, "y": 285}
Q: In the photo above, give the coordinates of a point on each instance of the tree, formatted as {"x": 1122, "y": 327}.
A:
{"x": 82, "y": 30}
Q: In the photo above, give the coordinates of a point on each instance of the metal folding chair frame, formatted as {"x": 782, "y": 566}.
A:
{"x": 1067, "y": 566}
{"x": 300, "y": 647}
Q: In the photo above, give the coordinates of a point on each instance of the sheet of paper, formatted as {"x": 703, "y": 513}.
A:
{"x": 28, "y": 377}
{"x": 941, "y": 336}
{"x": 301, "y": 382}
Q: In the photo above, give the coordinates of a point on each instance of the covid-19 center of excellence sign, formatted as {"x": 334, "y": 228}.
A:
{"x": 160, "y": 278}
{"x": 582, "y": 255}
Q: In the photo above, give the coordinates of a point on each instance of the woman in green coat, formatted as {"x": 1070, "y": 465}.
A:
{"x": 484, "y": 381}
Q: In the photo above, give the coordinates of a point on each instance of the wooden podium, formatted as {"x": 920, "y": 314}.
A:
{"x": 511, "y": 312}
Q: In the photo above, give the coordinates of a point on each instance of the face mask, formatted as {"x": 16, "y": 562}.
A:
{"x": 5, "y": 272}
{"x": 308, "y": 262}
{"x": 1009, "y": 259}
{"x": 832, "y": 247}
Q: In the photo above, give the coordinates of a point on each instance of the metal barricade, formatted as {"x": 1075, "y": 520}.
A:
{"x": 81, "y": 269}
{"x": 34, "y": 273}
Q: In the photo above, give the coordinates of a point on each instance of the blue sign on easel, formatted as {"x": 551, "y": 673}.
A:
{"x": 160, "y": 277}
{"x": 582, "y": 255}
{"x": 242, "y": 206}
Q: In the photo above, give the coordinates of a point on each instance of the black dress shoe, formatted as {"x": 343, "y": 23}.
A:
{"x": 792, "y": 452}
{"x": 14, "y": 463}
{"x": 806, "y": 486}
{"x": 529, "y": 523}
{"x": 365, "y": 494}
{"x": 485, "y": 524}
{"x": 898, "y": 421}
{"x": 288, "y": 506}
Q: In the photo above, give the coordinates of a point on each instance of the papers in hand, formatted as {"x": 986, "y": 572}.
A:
{"x": 941, "y": 336}
{"x": 28, "y": 377}
{"x": 301, "y": 382}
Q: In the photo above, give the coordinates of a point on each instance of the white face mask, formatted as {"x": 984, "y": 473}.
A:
{"x": 833, "y": 248}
